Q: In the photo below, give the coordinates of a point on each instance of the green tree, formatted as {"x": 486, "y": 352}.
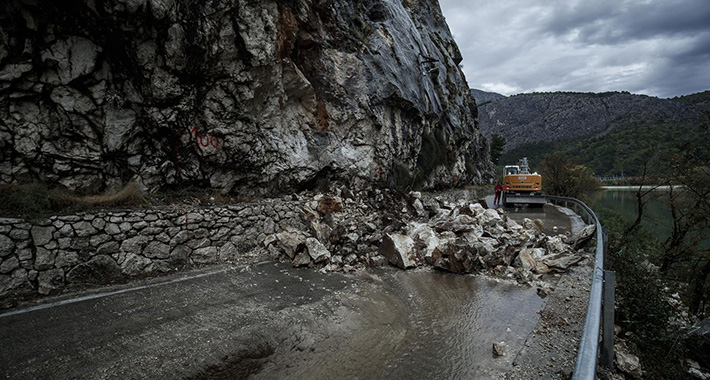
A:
{"x": 563, "y": 176}
{"x": 497, "y": 145}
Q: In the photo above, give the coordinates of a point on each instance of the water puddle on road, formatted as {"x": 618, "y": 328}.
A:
{"x": 421, "y": 324}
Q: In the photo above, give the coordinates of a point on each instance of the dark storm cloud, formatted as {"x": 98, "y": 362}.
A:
{"x": 656, "y": 47}
{"x": 608, "y": 22}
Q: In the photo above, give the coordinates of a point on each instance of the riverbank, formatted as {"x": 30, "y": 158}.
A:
{"x": 645, "y": 187}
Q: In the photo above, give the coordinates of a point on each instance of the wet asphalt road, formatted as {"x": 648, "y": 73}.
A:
{"x": 272, "y": 321}
{"x": 170, "y": 330}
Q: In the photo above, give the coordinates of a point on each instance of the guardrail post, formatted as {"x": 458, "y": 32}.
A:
{"x": 607, "y": 352}
{"x": 605, "y": 241}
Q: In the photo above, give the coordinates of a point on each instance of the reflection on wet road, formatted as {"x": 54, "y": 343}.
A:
{"x": 419, "y": 324}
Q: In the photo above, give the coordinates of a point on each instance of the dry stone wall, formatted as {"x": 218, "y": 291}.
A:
{"x": 105, "y": 246}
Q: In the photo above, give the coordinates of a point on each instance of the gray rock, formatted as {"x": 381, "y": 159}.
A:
{"x": 135, "y": 244}
{"x": 7, "y": 246}
{"x": 157, "y": 250}
{"x": 101, "y": 269}
{"x": 134, "y": 265}
{"x": 228, "y": 252}
{"x": 302, "y": 259}
{"x": 584, "y": 236}
{"x": 44, "y": 259}
{"x": 66, "y": 259}
{"x": 372, "y": 101}
{"x": 161, "y": 266}
{"x": 41, "y": 235}
{"x": 19, "y": 234}
{"x": 97, "y": 240}
{"x": 205, "y": 255}
{"x": 180, "y": 255}
{"x": 24, "y": 254}
{"x": 317, "y": 251}
{"x": 9, "y": 265}
{"x": 99, "y": 223}
{"x": 50, "y": 280}
{"x": 112, "y": 229}
{"x": 627, "y": 362}
{"x": 291, "y": 242}
{"x": 74, "y": 57}
{"x": 66, "y": 231}
{"x": 84, "y": 228}
{"x": 397, "y": 249}
{"x": 108, "y": 248}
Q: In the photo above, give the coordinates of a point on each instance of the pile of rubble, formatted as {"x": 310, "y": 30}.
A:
{"x": 459, "y": 237}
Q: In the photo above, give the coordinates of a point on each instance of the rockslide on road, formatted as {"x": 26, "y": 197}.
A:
{"x": 270, "y": 320}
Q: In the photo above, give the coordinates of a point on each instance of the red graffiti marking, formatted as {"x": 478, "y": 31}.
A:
{"x": 204, "y": 140}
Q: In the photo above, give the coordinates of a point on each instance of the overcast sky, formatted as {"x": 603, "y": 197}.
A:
{"x": 653, "y": 47}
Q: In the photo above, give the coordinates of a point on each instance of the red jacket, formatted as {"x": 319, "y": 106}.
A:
{"x": 499, "y": 188}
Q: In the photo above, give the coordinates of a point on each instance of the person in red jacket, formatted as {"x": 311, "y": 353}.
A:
{"x": 498, "y": 191}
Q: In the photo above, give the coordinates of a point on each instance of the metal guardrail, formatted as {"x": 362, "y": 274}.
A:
{"x": 586, "y": 365}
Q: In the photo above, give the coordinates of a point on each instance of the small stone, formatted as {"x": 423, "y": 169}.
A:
{"x": 108, "y": 248}
{"x": 134, "y": 245}
{"x": 112, "y": 229}
{"x": 330, "y": 205}
{"x": 44, "y": 259}
{"x": 499, "y": 349}
{"x": 66, "y": 259}
{"x": 134, "y": 264}
{"x": 99, "y": 223}
{"x": 180, "y": 255}
{"x": 9, "y": 265}
{"x": 42, "y": 235}
{"x": 7, "y": 246}
{"x": 50, "y": 280}
{"x": 316, "y": 250}
{"x": 302, "y": 259}
{"x": 19, "y": 234}
{"x": 97, "y": 240}
{"x": 205, "y": 255}
{"x": 228, "y": 252}
{"x": 157, "y": 250}
{"x": 84, "y": 228}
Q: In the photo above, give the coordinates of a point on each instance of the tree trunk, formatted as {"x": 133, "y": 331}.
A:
{"x": 698, "y": 291}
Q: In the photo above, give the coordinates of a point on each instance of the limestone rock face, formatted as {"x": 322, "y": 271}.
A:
{"x": 249, "y": 96}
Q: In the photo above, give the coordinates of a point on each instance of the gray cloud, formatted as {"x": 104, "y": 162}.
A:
{"x": 656, "y": 47}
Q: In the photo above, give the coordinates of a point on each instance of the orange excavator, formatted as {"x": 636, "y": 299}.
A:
{"x": 522, "y": 186}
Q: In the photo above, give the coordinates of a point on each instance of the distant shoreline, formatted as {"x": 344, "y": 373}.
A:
{"x": 645, "y": 187}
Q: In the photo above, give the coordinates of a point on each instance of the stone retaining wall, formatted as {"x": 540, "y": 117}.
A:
{"x": 100, "y": 247}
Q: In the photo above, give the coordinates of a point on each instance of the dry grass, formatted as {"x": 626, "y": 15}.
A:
{"x": 129, "y": 195}
{"x": 35, "y": 200}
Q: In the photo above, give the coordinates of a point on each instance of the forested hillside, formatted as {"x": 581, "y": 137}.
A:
{"x": 612, "y": 133}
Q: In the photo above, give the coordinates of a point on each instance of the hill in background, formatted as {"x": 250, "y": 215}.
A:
{"x": 483, "y": 97}
{"x": 611, "y": 132}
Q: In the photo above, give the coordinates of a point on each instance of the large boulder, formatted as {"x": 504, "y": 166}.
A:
{"x": 100, "y": 269}
{"x": 458, "y": 257}
{"x": 584, "y": 236}
{"x": 399, "y": 250}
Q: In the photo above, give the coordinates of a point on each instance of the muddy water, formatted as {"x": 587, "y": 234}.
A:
{"x": 421, "y": 324}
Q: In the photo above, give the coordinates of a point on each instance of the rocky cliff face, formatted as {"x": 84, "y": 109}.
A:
{"x": 554, "y": 116}
{"x": 237, "y": 95}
